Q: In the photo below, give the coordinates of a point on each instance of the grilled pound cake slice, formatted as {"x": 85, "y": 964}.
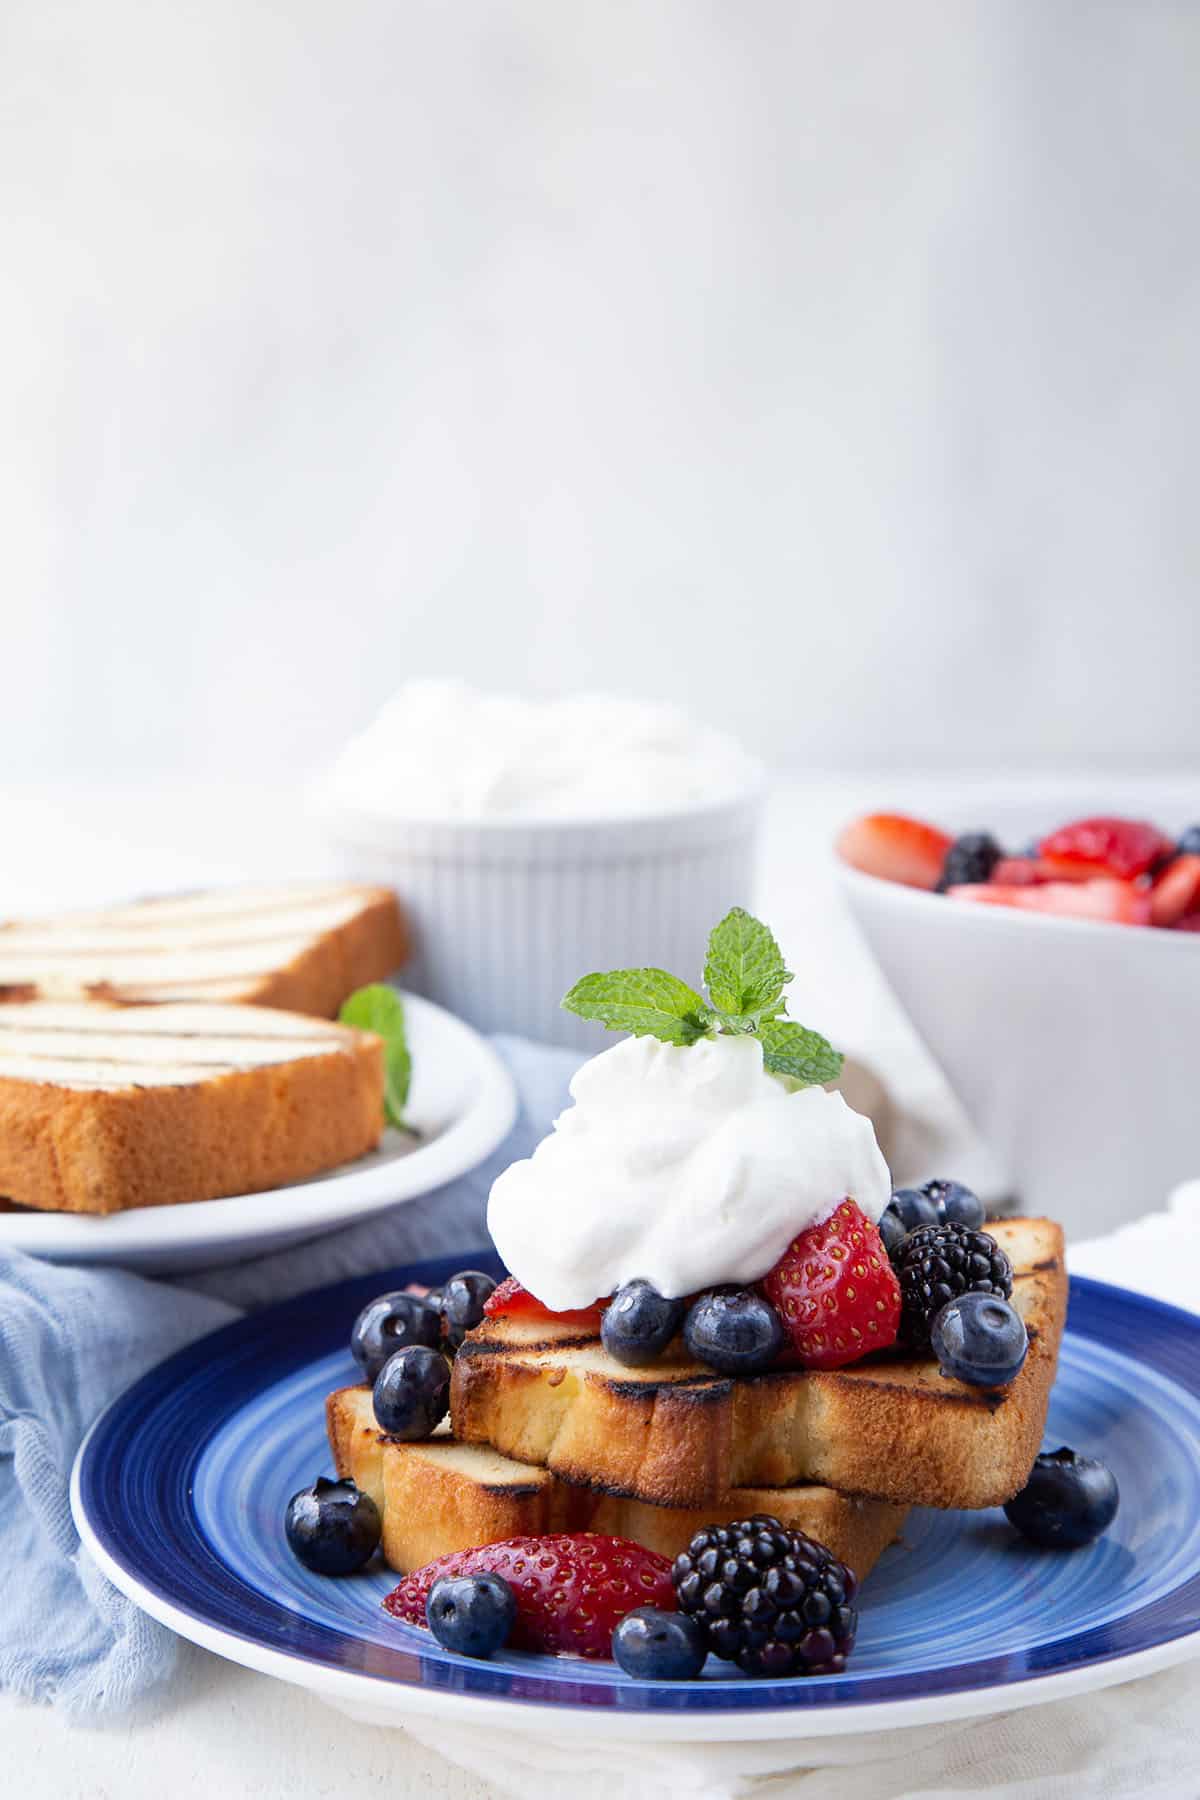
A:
{"x": 439, "y": 1495}
{"x": 106, "y": 1107}
{"x": 303, "y": 948}
{"x": 675, "y": 1434}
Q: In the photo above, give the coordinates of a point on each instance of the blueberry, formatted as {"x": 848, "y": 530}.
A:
{"x": 462, "y": 1303}
{"x": 733, "y": 1330}
{"x": 892, "y": 1228}
{"x": 914, "y": 1207}
{"x": 391, "y": 1323}
{"x": 412, "y": 1392}
{"x": 979, "y": 1338}
{"x": 659, "y": 1646}
{"x": 1067, "y": 1501}
{"x": 332, "y": 1528}
{"x": 638, "y": 1323}
{"x": 1189, "y": 842}
{"x": 955, "y": 1204}
{"x": 472, "y": 1614}
{"x": 970, "y": 859}
{"x": 434, "y": 1298}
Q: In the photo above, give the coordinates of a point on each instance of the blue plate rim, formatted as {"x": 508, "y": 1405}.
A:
{"x": 139, "y": 1561}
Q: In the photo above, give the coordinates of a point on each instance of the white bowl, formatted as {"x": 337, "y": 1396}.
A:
{"x": 507, "y": 914}
{"x": 1071, "y": 1044}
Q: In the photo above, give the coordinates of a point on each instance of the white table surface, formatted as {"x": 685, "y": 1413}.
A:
{"x": 219, "y": 1732}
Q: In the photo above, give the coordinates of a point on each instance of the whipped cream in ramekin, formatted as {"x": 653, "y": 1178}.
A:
{"x": 443, "y": 750}
{"x": 687, "y": 1167}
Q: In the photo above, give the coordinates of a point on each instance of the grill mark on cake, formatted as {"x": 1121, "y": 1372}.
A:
{"x": 169, "y": 911}
{"x": 188, "y": 985}
{"x": 148, "y": 1066}
{"x": 110, "y": 1049}
{"x": 225, "y": 944}
{"x": 141, "y": 1077}
{"x": 214, "y": 990}
{"x": 688, "y": 1390}
{"x": 284, "y": 1039}
{"x": 991, "y": 1398}
{"x": 91, "y": 1021}
{"x": 223, "y": 962}
{"x": 526, "y": 1346}
{"x": 113, "y": 947}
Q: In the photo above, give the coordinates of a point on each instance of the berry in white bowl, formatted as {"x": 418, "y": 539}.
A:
{"x": 1058, "y": 987}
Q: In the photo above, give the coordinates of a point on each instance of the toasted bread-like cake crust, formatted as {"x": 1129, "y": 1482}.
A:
{"x": 675, "y": 1434}
{"x": 303, "y": 948}
{"x": 438, "y": 1495}
{"x": 103, "y": 1108}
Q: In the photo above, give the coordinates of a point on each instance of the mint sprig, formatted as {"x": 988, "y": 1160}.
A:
{"x": 745, "y": 972}
{"x": 380, "y": 1009}
{"x": 646, "y": 1002}
{"x": 804, "y": 1056}
{"x": 745, "y": 975}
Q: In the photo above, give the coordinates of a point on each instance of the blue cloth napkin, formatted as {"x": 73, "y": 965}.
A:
{"x": 71, "y": 1339}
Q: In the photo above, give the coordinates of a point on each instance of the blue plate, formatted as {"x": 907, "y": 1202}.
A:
{"x": 181, "y": 1487}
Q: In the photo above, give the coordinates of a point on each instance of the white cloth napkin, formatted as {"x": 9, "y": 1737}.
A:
{"x": 1138, "y": 1741}
{"x": 1158, "y": 1255}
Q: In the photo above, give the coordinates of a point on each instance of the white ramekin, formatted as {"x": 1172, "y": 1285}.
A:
{"x": 506, "y": 915}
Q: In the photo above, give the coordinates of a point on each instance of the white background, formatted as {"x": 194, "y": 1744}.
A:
{"x": 832, "y": 367}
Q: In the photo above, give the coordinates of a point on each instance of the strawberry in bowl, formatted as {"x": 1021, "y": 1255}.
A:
{"x": 1104, "y": 869}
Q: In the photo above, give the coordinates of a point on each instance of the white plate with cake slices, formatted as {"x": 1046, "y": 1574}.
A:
{"x": 462, "y": 1105}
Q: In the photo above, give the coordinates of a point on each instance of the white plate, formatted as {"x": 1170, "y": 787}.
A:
{"x": 463, "y": 1104}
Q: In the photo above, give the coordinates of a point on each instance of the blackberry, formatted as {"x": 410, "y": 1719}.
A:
{"x": 773, "y": 1601}
{"x": 937, "y": 1263}
{"x": 970, "y": 858}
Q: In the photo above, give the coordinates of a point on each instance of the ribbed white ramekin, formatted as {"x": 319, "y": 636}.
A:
{"x": 506, "y": 915}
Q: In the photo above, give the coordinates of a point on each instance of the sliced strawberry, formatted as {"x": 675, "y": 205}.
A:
{"x": 511, "y": 1300}
{"x": 572, "y": 1588}
{"x": 895, "y": 848}
{"x": 1189, "y": 922}
{"x": 1117, "y": 902}
{"x": 1176, "y": 892}
{"x": 1125, "y": 848}
{"x": 836, "y": 1291}
{"x": 1019, "y": 871}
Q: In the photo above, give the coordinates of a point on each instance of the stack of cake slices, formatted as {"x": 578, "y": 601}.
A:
{"x": 549, "y": 1433}
{"x": 180, "y": 1049}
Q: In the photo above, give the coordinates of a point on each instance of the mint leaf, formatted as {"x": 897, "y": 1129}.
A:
{"x": 646, "y": 1002}
{"x": 380, "y": 1009}
{"x": 805, "y": 1056}
{"x": 745, "y": 971}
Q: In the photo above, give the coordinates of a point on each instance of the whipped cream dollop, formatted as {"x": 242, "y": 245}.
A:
{"x": 443, "y": 750}
{"x": 685, "y": 1166}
